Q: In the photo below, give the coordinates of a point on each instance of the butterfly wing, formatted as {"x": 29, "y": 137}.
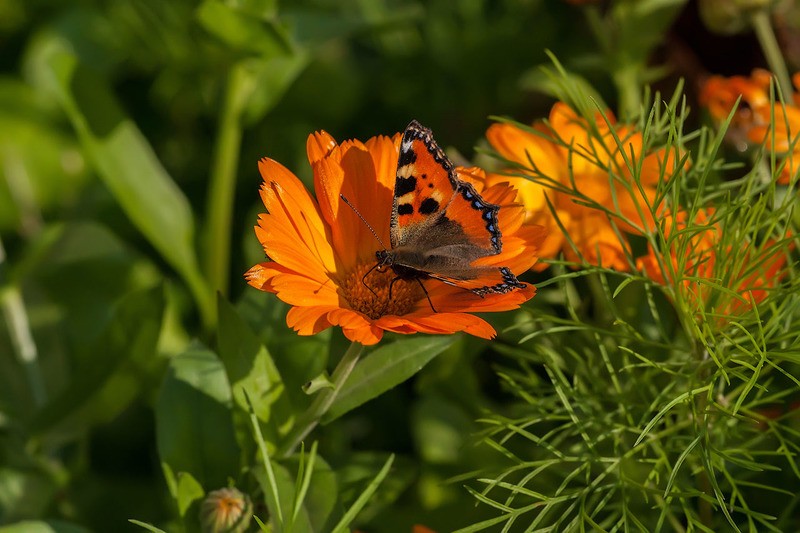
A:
{"x": 440, "y": 224}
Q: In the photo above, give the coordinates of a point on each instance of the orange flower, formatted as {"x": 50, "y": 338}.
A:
{"x": 575, "y": 161}
{"x": 320, "y": 249}
{"x": 756, "y": 120}
{"x": 693, "y": 255}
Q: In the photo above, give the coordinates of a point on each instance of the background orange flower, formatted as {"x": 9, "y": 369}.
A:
{"x": 323, "y": 255}
{"x": 694, "y": 256}
{"x": 758, "y": 119}
{"x": 590, "y": 179}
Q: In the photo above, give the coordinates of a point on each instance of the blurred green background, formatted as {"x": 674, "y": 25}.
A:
{"x": 192, "y": 90}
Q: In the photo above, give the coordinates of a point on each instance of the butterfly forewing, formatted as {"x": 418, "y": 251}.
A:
{"x": 428, "y": 192}
{"x": 440, "y": 224}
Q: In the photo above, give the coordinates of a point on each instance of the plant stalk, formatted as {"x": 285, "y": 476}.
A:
{"x": 223, "y": 180}
{"x": 325, "y": 398}
{"x": 772, "y": 52}
{"x": 21, "y": 337}
{"x": 704, "y": 509}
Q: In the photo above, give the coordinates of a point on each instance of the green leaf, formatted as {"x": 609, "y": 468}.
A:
{"x": 127, "y": 164}
{"x": 54, "y": 526}
{"x": 24, "y": 491}
{"x": 365, "y": 496}
{"x": 364, "y": 466}
{"x": 189, "y": 491}
{"x": 316, "y": 498}
{"x": 105, "y": 380}
{"x": 42, "y": 164}
{"x": 298, "y": 358}
{"x": 145, "y": 525}
{"x": 250, "y": 369}
{"x": 318, "y": 510}
{"x": 240, "y": 30}
{"x": 285, "y": 486}
{"x": 385, "y": 368}
{"x": 194, "y": 426}
{"x": 561, "y": 85}
{"x": 266, "y": 80}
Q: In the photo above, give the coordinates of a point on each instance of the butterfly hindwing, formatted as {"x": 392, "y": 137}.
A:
{"x": 440, "y": 224}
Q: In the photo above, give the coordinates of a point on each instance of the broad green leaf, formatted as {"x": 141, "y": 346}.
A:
{"x": 542, "y": 79}
{"x": 642, "y": 25}
{"x": 127, "y": 164}
{"x": 240, "y": 30}
{"x": 24, "y": 492}
{"x": 266, "y": 80}
{"x": 385, "y": 368}
{"x": 54, "y": 526}
{"x": 194, "y": 426}
{"x": 42, "y": 167}
{"x": 250, "y": 369}
{"x": 189, "y": 491}
{"x": 106, "y": 380}
{"x": 297, "y": 358}
{"x": 441, "y": 429}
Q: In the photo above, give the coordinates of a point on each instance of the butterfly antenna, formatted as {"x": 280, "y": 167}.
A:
{"x": 364, "y": 220}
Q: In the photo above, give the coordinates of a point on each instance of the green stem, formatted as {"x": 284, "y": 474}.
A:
{"x": 223, "y": 179}
{"x": 325, "y": 398}
{"x": 21, "y": 337}
{"x": 769, "y": 45}
{"x": 704, "y": 509}
{"x": 204, "y": 297}
{"x": 630, "y": 94}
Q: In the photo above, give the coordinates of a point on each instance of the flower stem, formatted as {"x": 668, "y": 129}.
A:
{"x": 325, "y": 398}
{"x": 769, "y": 45}
{"x": 223, "y": 180}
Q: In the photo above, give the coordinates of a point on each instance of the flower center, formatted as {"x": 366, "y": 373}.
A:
{"x": 370, "y": 295}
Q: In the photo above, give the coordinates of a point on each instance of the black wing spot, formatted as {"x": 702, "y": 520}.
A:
{"x": 404, "y": 186}
{"x": 428, "y": 206}
{"x": 407, "y": 157}
{"x": 405, "y": 209}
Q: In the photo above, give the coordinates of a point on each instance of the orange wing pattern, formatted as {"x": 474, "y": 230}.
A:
{"x": 426, "y": 183}
{"x": 440, "y": 224}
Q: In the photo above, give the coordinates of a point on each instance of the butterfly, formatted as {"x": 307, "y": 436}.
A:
{"x": 440, "y": 224}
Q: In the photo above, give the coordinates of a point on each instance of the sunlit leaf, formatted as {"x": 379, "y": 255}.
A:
{"x": 188, "y": 492}
{"x": 194, "y": 427}
{"x": 125, "y": 160}
{"x": 250, "y": 369}
{"x": 385, "y": 368}
{"x": 103, "y": 386}
{"x": 30, "y": 526}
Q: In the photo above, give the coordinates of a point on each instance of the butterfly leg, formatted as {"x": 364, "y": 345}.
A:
{"x": 389, "y": 297}
{"x": 364, "y": 279}
{"x": 427, "y": 295}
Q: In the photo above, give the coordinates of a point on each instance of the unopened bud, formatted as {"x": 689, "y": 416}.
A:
{"x": 225, "y": 511}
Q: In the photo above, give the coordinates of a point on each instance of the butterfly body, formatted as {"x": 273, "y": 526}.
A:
{"x": 440, "y": 224}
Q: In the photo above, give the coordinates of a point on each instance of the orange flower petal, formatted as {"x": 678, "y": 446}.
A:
{"x": 319, "y": 146}
{"x": 323, "y": 253}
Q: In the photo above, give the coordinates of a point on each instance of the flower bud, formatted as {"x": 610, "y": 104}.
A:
{"x": 225, "y": 511}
